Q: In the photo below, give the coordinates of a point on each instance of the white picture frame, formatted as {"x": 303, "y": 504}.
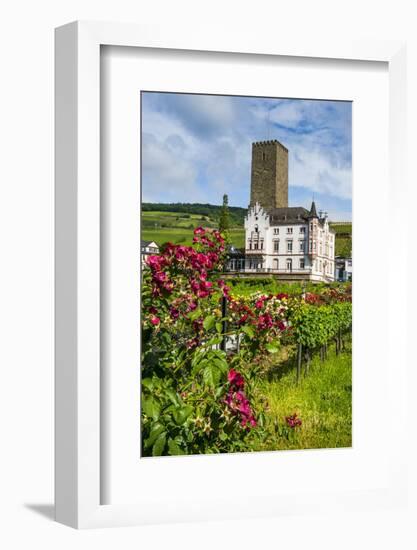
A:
{"x": 77, "y": 242}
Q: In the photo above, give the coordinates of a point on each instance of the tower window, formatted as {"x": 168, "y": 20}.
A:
{"x": 263, "y": 155}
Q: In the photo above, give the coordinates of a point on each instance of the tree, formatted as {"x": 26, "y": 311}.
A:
{"x": 224, "y": 221}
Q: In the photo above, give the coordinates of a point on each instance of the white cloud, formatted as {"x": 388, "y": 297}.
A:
{"x": 197, "y": 147}
{"x": 287, "y": 114}
{"x": 315, "y": 171}
{"x": 167, "y": 177}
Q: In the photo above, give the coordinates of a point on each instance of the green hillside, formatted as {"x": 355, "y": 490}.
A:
{"x": 212, "y": 211}
{"x": 343, "y": 239}
{"x": 175, "y": 223}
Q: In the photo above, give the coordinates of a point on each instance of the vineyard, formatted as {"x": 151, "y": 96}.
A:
{"x": 225, "y": 370}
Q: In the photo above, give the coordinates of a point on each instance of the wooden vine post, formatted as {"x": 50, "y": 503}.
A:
{"x": 299, "y": 358}
{"x": 224, "y": 323}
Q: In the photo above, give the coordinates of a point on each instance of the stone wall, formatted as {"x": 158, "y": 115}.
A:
{"x": 269, "y": 177}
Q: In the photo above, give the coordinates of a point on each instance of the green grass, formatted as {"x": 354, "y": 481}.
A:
{"x": 343, "y": 246}
{"x": 323, "y": 401}
{"x": 345, "y": 228}
{"x": 178, "y": 234}
{"x": 343, "y": 239}
{"x": 174, "y": 235}
{"x": 271, "y": 285}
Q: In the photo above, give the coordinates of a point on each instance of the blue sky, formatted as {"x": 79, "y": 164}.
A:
{"x": 195, "y": 148}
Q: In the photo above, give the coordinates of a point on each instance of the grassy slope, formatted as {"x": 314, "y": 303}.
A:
{"x": 323, "y": 401}
{"x": 343, "y": 239}
{"x": 176, "y": 227}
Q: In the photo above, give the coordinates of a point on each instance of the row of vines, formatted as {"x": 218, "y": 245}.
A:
{"x": 197, "y": 396}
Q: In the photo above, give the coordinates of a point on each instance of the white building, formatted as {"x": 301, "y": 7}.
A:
{"x": 148, "y": 248}
{"x": 291, "y": 241}
{"x": 343, "y": 269}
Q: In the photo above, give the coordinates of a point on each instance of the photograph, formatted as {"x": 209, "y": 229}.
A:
{"x": 246, "y": 274}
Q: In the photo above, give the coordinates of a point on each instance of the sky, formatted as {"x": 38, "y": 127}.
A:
{"x": 196, "y": 148}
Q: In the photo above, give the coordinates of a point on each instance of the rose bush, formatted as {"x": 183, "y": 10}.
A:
{"x": 196, "y": 397}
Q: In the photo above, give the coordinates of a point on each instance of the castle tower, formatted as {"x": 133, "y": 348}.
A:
{"x": 269, "y": 178}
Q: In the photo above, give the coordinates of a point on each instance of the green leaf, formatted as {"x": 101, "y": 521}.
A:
{"x": 159, "y": 444}
{"x": 148, "y": 383}
{"x": 172, "y": 396}
{"x": 156, "y": 430}
{"x": 211, "y": 375}
{"x": 272, "y": 347}
{"x": 209, "y": 322}
{"x": 181, "y": 415}
{"x": 219, "y": 327}
{"x": 195, "y": 314}
{"x": 151, "y": 408}
{"x": 221, "y": 364}
{"x": 248, "y": 330}
{"x": 174, "y": 448}
{"x": 214, "y": 341}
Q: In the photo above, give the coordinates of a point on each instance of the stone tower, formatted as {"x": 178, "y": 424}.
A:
{"x": 269, "y": 178}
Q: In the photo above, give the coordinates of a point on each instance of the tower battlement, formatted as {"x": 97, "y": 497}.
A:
{"x": 269, "y": 142}
{"x": 269, "y": 176}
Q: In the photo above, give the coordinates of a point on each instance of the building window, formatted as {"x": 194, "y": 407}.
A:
{"x": 302, "y": 229}
{"x": 289, "y": 230}
{"x": 276, "y": 246}
{"x": 302, "y": 246}
{"x": 314, "y": 246}
{"x": 256, "y": 228}
{"x": 276, "y": 230}
{"x": 302, "y": 263}
{"x": 276, "y": 264}
{"x": 289, "y": 264}
{"x": 250, "y": 245}
{"x": 255, "y": 245}
{"x": 262, "y": 245}
{"x": 311, "y": 226}
{"x": 289, "y": 246}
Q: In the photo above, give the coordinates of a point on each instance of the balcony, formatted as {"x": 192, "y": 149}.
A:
{"x": 251, "y": 251}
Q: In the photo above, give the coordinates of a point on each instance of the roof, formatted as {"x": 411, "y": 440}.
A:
{"x": 144, "y": 244}
{"x": 313, "y": 211}
{"x": 280, "y": 216}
